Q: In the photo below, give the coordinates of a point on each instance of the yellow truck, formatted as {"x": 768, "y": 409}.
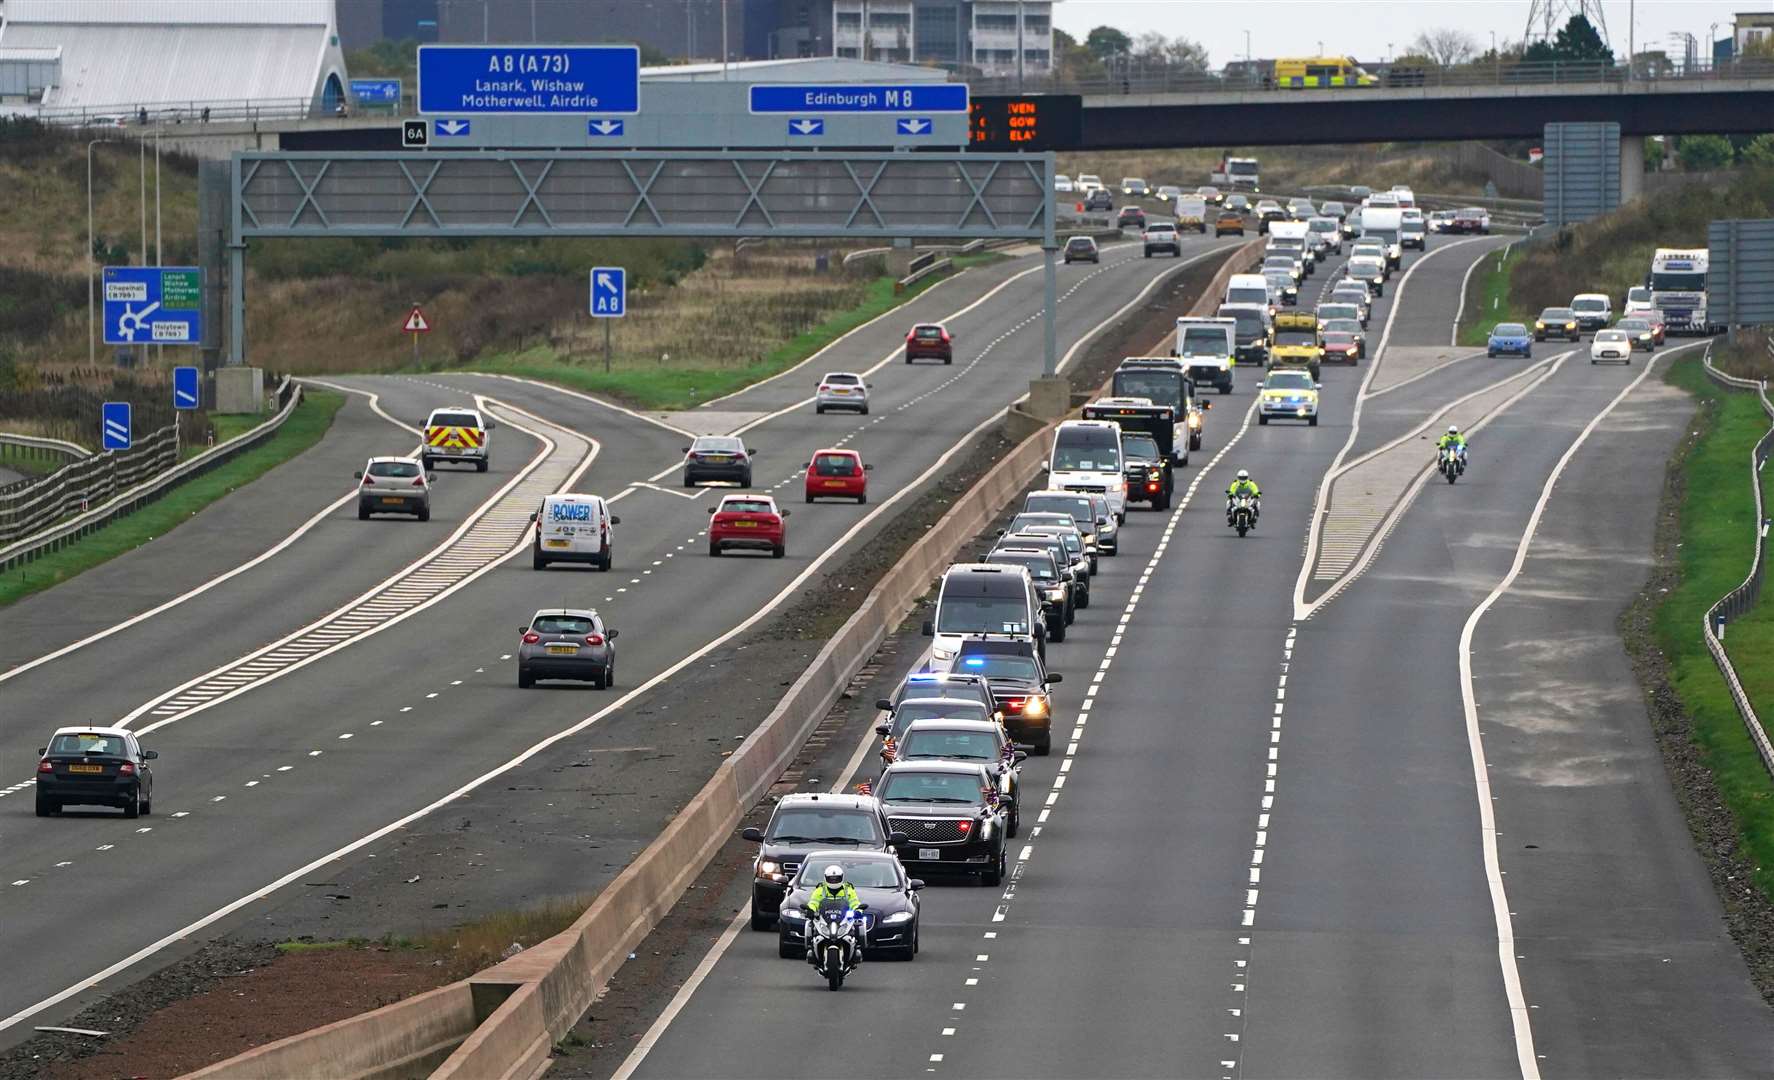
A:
{"x": 1297, "y": 342}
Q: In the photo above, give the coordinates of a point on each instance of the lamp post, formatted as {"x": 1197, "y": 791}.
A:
{"x": 1247, "y": 59}
{"x": 1496, "y": 60}
{"x": 92, "y": 325}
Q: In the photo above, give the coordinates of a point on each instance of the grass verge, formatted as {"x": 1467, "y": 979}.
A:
{"x": 684, "y": 387}
{"x": 302, "y": 430}
{"x": 1487, "y": 298}
{"x": 225, "y": 425}
{"x": 1717, "y": 544}
{"x": 482, "y": 943}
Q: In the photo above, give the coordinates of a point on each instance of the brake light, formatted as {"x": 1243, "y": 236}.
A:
{"x": 532, "y": 637}
{"x": 1014, "y": 705}
{"x": 45, "y": 766}
{"x": 823, "y": 388}
{"x": 945, "y": 337}
{"x": 909, "y": 338}
{"x": 965, "y": 827}
{"x": 594, "y": 639}
{"x": 1151, "y": 487}
{"x": 126, "y": 769}
{"x": 419, "y": 481}
{"x": 368, "y": 479}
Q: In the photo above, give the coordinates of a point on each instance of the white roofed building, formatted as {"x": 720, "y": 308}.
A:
{"x": 124, "y": 57}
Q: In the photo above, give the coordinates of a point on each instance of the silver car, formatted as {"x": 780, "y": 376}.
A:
{"x": 393, "y": 485}
{"x": 842, "y": 390}
{"x": 567, "y": 643}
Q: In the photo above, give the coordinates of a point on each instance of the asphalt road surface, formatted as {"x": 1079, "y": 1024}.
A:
{"x": 301, "y": 766}
{"x": 1262, "y": 852}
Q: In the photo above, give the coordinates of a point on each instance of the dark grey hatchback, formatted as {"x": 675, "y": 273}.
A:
{"x": 567, "y": 643}
{"x": 95, "y": 767}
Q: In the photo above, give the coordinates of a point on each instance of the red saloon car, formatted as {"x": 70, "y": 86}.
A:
{"x": 838, "y": 474}
{"x": 929, "y": 341}
{"x": 748, "y": 521}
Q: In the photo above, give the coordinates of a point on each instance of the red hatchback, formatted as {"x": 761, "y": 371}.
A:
{"x": 748, "y": 521}
{"x": 929, "y": 341}
{"x": 838, "y": 474}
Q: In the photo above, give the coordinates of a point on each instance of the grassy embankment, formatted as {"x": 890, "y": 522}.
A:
{"x": 1608, "y": 255}
{"x": 1717, "y": 544}
{"x": 302, "y": 430}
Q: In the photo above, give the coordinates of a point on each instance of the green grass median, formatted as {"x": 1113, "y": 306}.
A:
{"x": 301, "y": 431}
{"x": 1487, "y": 299}
{"x": 1717, "y": 544}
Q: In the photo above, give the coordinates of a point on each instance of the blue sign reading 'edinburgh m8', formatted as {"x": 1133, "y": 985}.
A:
{"x": 914, "y": 97}
{"x": 529, "y": 79}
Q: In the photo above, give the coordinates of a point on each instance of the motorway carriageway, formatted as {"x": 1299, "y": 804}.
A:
{"x": 1261, "y": 851}
{"x": 282, "y": 756}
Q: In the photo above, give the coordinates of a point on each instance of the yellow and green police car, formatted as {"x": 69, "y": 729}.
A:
{"x": 1288, "y": 394}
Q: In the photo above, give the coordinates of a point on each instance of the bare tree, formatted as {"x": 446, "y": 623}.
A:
{"x": 1445, "y": 46}
{"x": 1186, "y": 54}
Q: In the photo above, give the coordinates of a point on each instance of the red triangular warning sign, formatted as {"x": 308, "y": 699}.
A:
{"x": 416, "y": 323}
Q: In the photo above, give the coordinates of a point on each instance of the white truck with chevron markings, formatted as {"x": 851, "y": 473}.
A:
{"x": 457, "y": 434}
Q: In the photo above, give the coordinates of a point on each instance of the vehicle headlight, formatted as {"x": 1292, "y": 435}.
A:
{"x": 1194, "y": 422}
{"x": 791, "y": 914}
{"x": 1055, "y": 593}
{"x": 897, "y": 918}
{"x": 1570, "y": 326}
{"x": 941, "y": 653}
{"x": 1036, "y": 708}
{"x": 769, "y": 868}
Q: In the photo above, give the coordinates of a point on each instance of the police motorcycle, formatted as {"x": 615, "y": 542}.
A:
{"x": 835, "y": 933}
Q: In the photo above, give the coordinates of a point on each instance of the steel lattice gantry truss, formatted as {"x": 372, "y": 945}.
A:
{"x": 693, "y": 194}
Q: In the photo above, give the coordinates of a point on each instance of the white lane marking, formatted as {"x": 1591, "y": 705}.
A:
{"x": 600, "y": 402}
{"x": 1424, "y": 374}
{"x": 1361, "y": 394}
{"x": 1487, "y": 821}
{"x": 301, "y": 531}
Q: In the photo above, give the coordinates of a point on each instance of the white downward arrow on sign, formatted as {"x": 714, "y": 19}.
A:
{"x": 451, "y": 127}
{"x": 604, "y": 127}
{"x": 805, "y": 126}
{"x": 916, "y": 127}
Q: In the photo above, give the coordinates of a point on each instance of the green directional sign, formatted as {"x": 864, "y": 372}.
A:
{"x": 181, "y": 289}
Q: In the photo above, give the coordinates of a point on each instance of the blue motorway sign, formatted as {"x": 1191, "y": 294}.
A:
{"x": 376, "y": 91}
{"x": 114, "y": 425}
{"x": 153, "y": 305}
{"x": 910, "y": 97}
{"x": 603, "y": 127}
{"x": 529, "y": 79}
{"x": 806, "y": 126}
{"x": 187, "y": 387}
{"x": 609, "y": 292}
{"x": 452, "y": 127}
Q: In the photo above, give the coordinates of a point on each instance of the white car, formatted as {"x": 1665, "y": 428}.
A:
{"x": 1611, "y": 345}
{"x": 1089, "y": 182}
{"x": 1062, "y": 183}
{"x": 842, "y": 390}
{"x": 1638, "y": 301}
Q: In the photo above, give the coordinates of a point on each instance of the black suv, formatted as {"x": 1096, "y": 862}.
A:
{"x": 1019, "y": 681}
{"x": 1053, "y": 583}
{"x": 952, "y": 814}
{"x": 802, "y": 823}
{"x": 1147, "y": 470}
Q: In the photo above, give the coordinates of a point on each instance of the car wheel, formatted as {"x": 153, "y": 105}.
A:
{"x": 746, "y": 480}
{"x": 778, "y": 551}
{"x": 861, "y": 499}
{"x": 1056, "y": 629}
{"x": 482, "y": 465}
{"x": 809, "y": 498}
{"x": 1016, "y": 824}
{"x": 1262, "y": 421}
{"x": 1084, "y": 599}
{"x": 784, "y": 950}
{"x": 597, "y": 681}
{"x": 1311, "y": 421}
{"x": 610, "y": 674}
{"x": 363, "y": 513}
{"x": 1194, "y": 444}
{"x": 948, "y": 360}
{"x": 524, "y": 679}
{"x": 714, "y": 549}
{"x": 994, "y": 876}
{"x": 1093, "y": 565}
{"x": 760, "y": 920}
{"x": 1492, "y": 353}
{"x": 605, "y": 563}
{"x": 1071, "y": 612}
{"x": 424, "y": 513}
{"x": 819, "y": 410}
{"x": 689, "y": 481}
{"x": 47, "y": 807}
{"x": 865, "y": 410}
{"x": 908, "y": 359}
{"x": 147, "y": 807}
{"x": 133, "y": 808}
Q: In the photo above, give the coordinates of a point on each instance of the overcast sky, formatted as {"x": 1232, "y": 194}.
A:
{"x": 1363, "y": 28}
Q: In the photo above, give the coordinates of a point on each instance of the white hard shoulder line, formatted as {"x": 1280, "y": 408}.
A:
{"x": 301, "y": 531}
{"x": 1519, "y": 1014}
{"x": 489, "y": 536}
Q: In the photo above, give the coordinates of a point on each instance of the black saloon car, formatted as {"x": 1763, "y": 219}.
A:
{"x": 95, "y": 766}
{"x": 891, "y": 921}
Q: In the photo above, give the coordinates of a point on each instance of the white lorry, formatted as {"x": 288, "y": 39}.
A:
{"x": 1678, "y": 289}
{"x": 1206, "y": 348}
{"x": 1235, "y": 174}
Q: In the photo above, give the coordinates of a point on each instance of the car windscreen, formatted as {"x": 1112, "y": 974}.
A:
{"x": 1589, "y": 305}
{"x": 1339, "y": 311}
{"x": 1162, "y": 387}
{"x": 747, "y": 506}
{"x": 1636, "y": 325}
{"x": 1242, "y": 168}
{"x": 816, "y": 825}
{"x": 1279, "y": 279}
{"x": 1557, "y": 314}
{"x": 958, "y": 708}
{"x": 838, "y": 378}
{"x": 1074, "y": 544}
{"x": 88, "y": 743}
{"x": 932, "y": 787}
{"x": 1322, "y": 225}
{"x": 1075, "y": 507}
{"x": 1364, "y": 267}
{"x": 998, "y": 665}
{"x": 1510, "y": 329}
{"x": 1139, "y": 446}
{"x": 1638, "y": 294}
{"x": 403, "y": 469}
{"x": 1250, "y": 323}
{"x": 1284, "y": 263}
{"x": 983, "y": 615}
{"x": 1296, "y": 337}
{"x": 862, "y": 873}
{"x": 451, "y": 419}
{"x": 1350, "y": 326}
{"x": 1288, "y": 380}
{"x": 955, "y": 745}
{"x": 1245, "y": 294}
{"x": 561, "y": 624}
{"x": 834, "y": 465}
{"x": 1079, "y": 243}
{"x": 1040, "y": 567}
{"x": 1610, "y": 335}
{"x": 1339, "y": 337}
{"x": 1099, "y": 451}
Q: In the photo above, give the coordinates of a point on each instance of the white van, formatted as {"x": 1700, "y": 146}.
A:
{"x": 1087, "y": 457}
{"x": 573, "y": 528}
{"x": 1247, "y": 289}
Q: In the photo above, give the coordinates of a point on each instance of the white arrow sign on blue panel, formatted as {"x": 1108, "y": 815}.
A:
{"x": 447, "y": 128}
{"x": 806, "y": 127}
{"x": 915, "y": 125}
{"x": 609, "y": 292}
{"x": 114, "y": 426}
{"x": 185, "y": 387}
{"x": 603, "y": 127}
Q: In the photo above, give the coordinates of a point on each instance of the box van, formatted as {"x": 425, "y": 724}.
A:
{"x": 573, "y": 528}
{"x": 1246, "y": 289}
{"x": 979, "y": 599}
{"x": 1086, "y": 457}
{"x": 1206, "y": 347}
{"x": 1386, "y": 226}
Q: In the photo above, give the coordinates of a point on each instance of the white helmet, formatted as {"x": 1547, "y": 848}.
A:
{"x": 1244, "y": 474}
{"x": 834, "y": 876}
{"x": 1453, "y": 429}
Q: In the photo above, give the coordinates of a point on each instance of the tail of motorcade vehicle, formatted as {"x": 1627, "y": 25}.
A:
{"x": 1386, "y": 225}
{"x": 1205, "y": 345}
{"x": 1086, "y": 456}
{"x": 573, "y": 528}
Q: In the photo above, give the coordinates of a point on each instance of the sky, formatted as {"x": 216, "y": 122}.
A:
{"x": 1366, "y": 29}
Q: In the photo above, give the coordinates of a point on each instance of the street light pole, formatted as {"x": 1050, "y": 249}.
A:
{"x": 92, "y": 325}
{"x": 1247, "y": 58}
{"x": 1496, "y": 60}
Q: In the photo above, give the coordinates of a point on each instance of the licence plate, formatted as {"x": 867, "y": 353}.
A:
{"x": 386, "y": 501}
{"x": 557, "y": 543}
{"x": 562, "y": 650}
{"x": 929, "y": 854}
{"x": 834, "y": 483}
{"x": 452, "y": 449}
{"x": 745, "y": 524}
{"x": 714, "y": 460}
{"x": 98, "y": 769}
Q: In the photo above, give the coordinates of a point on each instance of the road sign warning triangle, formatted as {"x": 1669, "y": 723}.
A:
{"x": 416, "y": 323}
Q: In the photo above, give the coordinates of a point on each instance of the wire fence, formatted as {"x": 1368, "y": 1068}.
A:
{"x": 1739, "y": 601}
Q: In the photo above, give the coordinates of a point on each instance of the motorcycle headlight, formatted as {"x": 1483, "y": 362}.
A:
{"x": 897, "y": 918}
